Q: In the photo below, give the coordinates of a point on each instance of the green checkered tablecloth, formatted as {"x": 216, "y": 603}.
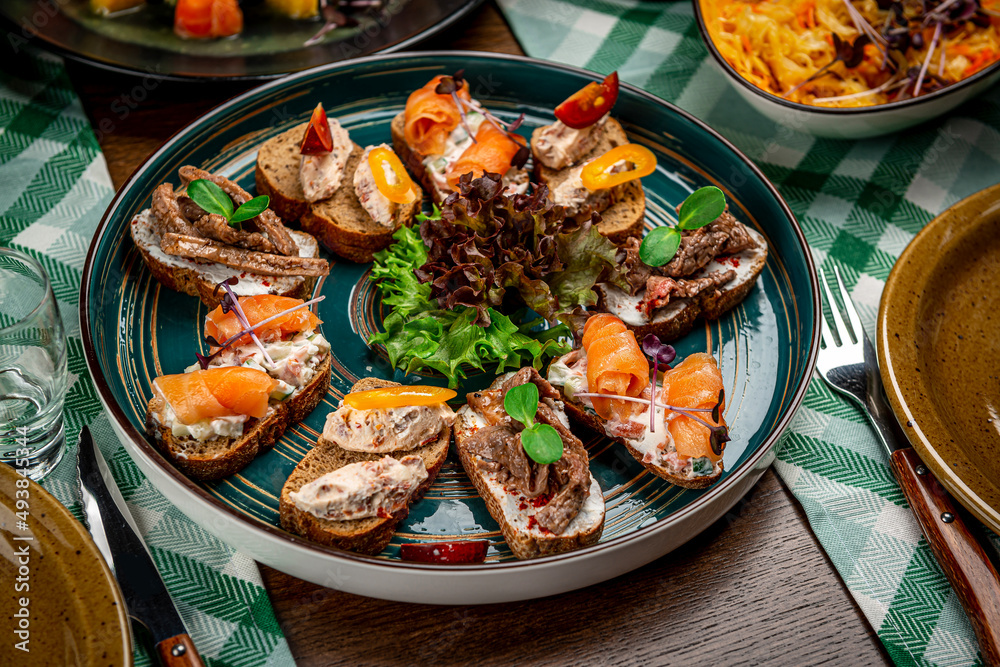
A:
{"x": 55, "y": 188}
{"x": 859, "y": 203}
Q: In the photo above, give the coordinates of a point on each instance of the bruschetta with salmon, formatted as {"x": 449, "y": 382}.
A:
{"x": 673, "y": 426}
{"x": 443, "y": 134}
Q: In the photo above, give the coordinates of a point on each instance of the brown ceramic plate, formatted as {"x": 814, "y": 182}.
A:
{"x": 939, "y": 349}
{"x": 75, "y": 613}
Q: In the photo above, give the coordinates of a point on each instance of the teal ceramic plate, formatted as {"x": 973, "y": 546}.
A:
{"x": 142, "y": 40}
{"x": 135, "y": 330}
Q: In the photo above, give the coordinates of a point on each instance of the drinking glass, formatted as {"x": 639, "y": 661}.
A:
{"x": 32, "y": 367}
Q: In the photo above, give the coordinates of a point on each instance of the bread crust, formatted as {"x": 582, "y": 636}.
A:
{"x": 228, "y": 455}
{"x": 366, "y": 536}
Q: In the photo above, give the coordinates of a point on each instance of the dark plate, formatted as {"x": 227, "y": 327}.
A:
{"x": 142, "y": 41}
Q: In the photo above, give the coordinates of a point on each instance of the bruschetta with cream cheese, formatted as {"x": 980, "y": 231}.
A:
{"x": 351, "y": 198}
{"x": 378, "y": 453}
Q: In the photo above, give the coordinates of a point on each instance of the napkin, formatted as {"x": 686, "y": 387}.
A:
{"x": 859, "y": 204}
{"x": 55, "y": 189}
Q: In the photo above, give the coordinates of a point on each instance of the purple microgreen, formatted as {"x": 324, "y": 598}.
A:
{"x": 927, "y": 60}
{"x": 719, "y": 432}
{"x": 516, "y": 124}
{"x": 718, "y": 437}
{"x": 234, "y": 304}
{"x": 520, "y": 157}
{"x": 333, "y": 18}
{"x": 659, "y": 353}
{"x": 718, "y": 405}
{"x": 462, "y": 117}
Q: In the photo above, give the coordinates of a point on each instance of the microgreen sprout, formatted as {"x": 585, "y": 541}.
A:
{"x": 702, "y": 207}
{"x": 230, "y": 302}
{"x": 541, "y": 442}
{"x": 660, "y": 353}
{"x": 849, "y": 54}
{"x": 220, "y": 347}
{"x": 212, "y": 199}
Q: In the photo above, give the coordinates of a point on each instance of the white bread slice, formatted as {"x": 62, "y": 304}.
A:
{"x": 679, "y": 316}
{"x": 199, "y": 277}
{"x": 340, "y": 223}
{"x": 370, "y": 535}
{"x": 221, "y": 457}
{"x": 525, "y": 540}
{"x": 625, "y": 217}
{"x": 414, "y": 161}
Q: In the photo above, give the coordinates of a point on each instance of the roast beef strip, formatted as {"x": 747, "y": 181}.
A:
{"x": 725, "y": 236}
{"x": 738, "y": 238}
{"x": 661, "y": 289}
{"x": 637, "y": 272}
{"x": 168, "y": 214}
{"x": 216, "y": 227}
{"x": 267, "y": 221}
{"x": 568, "y": 479}
{"x": 240, "y": 258}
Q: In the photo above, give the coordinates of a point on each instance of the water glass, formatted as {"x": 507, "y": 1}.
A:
{"x": 32, "y": 367}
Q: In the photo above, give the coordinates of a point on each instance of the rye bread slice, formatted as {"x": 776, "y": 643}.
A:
{"x": 679, "y": 316}
{"x": 525, "y": 539}
{"x": 370, "y": 535}
{"x": 625, "y": 216}
{"x": 343, "y": 225}
{"x": 199, "y": 277}
{"x": 277, "y": 173}
{"x": 221, "y": 457}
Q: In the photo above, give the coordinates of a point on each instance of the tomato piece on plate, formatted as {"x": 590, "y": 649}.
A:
{"x": 317, "y": 139}
{"x": 397, "y": 397}
{"x": 465, "y": 551}
{"x": 383, "y": 162}
{"x": 596, "y": 174}
{"x": 586, "y": 106}
{"x": 203, "y": 19}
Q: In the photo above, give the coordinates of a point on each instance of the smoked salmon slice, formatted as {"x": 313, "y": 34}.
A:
{"x": 430, "y": 117}
{"x": 693, "y": 383}
{"x": 615, "y": 365}
{"x": 217, "y": 392}
{"x": 223, "y": 326}
{"x": 492, "y": 151}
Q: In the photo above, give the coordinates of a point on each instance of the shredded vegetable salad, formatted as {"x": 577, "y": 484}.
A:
{"x": 844, "y": 53}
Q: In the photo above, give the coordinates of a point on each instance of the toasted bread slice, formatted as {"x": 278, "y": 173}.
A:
{"x": 579, "y": 414}
{"x": 370, "y": 535}
{"x": 221, "y": 457}
{"x": 524, "y": 537}
{"x": 625, "y": 216}
{"x": 414, "y": 161}
{"x": 340, "y": 223}
{"x": 679, "y": 316}
{"x": 199, "y": 278}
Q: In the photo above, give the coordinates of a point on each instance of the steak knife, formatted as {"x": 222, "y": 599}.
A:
{"x": 146, "y": 598}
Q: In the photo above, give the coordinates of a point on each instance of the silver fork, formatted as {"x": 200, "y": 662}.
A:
{"x": 848, "y": 364}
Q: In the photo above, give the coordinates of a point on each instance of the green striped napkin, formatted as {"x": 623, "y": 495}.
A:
{"x": 55, "y": 188}
{"x": 859, "y": 203}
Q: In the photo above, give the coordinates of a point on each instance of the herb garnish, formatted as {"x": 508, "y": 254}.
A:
{"x": 541, "y": 442}
{"x": 212, "y": 199}
{"x": 660, "y": 353}
{"x": 701, "y": 207}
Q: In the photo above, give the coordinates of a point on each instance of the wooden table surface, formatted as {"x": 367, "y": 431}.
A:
{"x": 754, "y": 588}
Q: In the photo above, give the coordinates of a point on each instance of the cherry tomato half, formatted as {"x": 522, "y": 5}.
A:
{"x": 586, "y": 106}
{"x": 596, "y": 174}
{"x": 466, "y": 551}
{"x": 402, "y": 191}
{"x": 397, "y": 397}
{"x": 317, "y": 138}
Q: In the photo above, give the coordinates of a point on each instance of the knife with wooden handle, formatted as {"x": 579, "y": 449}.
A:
{"x": 146, "y": 597}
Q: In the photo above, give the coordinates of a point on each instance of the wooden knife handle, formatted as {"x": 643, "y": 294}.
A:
{"x": 178, "y": 651}
{"x": 962, "y": 558}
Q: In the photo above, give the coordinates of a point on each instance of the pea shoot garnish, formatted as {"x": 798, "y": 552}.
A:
{"x": 541, "y": 442}
{"x": 212, "y": 199}
{"x": 703, "y": 206}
